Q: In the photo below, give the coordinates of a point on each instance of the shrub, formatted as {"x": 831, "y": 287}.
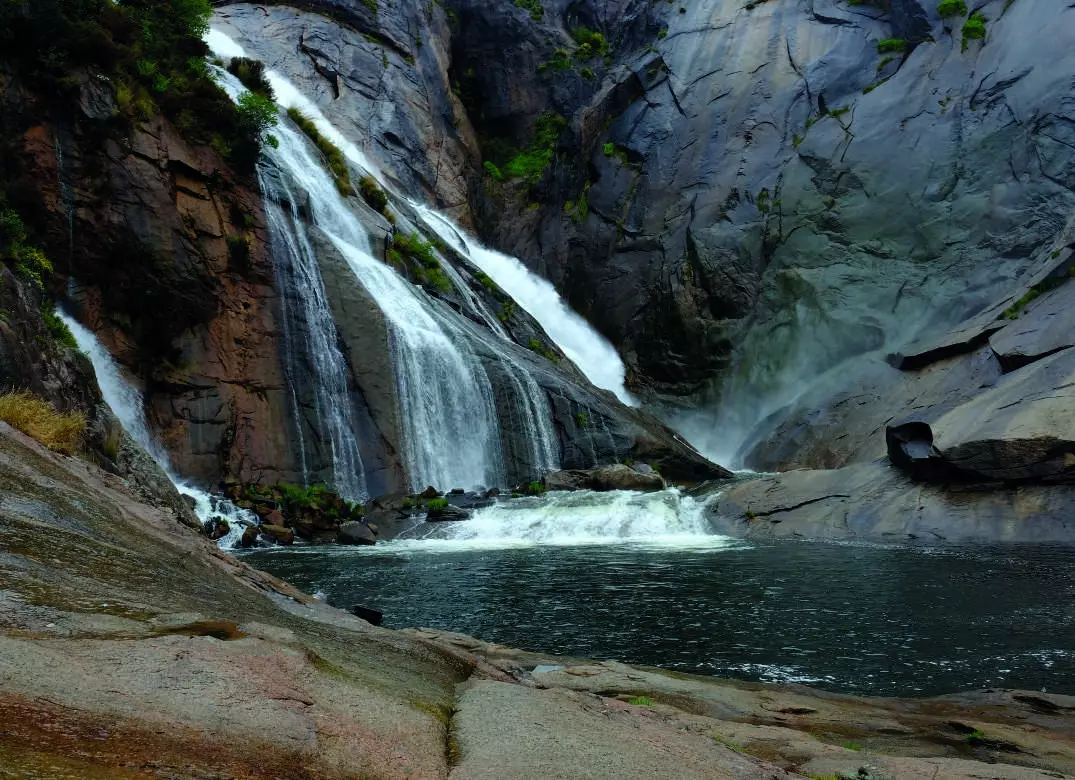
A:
{"x": 560, "y": 61}
{"x": 590, "y": 43}
{"x": 61, "y": 334}
{"x": 609, "y": 149}
{"x": 587, "y": 73}
{"x": 534, "y": 489}
{"x": 252, "y": 75}
{"x": 39, "y": 420}
{"x": 533, "y": 6}
{"x": 337, "y": 163}
{"x": 641, "y": 701}
{"x": 886, "y": 45}
{"x": 257, "y": 113}
{"x": 437, "y": 504}
{"x": 952, "y": 8}
{"x": 424, "y": 265}
{"x": 492, "y": 170}
{"x": 974, "y": 28}
{"x": 531, "y": 163}
{"x": 372, "y": 194}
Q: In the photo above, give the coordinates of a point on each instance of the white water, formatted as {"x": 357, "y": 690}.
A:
{"x": 586, "y": 348}
{"x": 125, "y": 401}
{"x": 666, "y": 519}
{"x": 451, "y": 436}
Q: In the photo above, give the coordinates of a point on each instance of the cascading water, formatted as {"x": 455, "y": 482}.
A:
{"x": 311, "y": 341}
{"x": 666, "y": 519}
{"x": 587, "y": 349}
{"x": 126, "y": 403}
{"x": 447, "y": 410}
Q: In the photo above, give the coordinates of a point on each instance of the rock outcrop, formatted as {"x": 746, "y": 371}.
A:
{"x": 615, "y": 477}
{"x": 109, "y": 607}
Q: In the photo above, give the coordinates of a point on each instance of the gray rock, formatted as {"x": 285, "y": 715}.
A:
{"x": 614, "y": 477}
{"x": 874, "y": 501}
{"x": 1046, "y": 325}
{"x": 354, "y": 532}
{"x": 447, "y": 513}
{"x": 1021, "y": 430}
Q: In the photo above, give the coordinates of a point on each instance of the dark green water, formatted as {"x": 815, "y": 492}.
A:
{"x": 862, "y": 619}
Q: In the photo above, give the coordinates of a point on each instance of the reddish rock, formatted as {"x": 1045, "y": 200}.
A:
{"x": 278, "y": 534}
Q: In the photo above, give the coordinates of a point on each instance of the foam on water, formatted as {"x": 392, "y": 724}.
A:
{"x": 663, "y": 520}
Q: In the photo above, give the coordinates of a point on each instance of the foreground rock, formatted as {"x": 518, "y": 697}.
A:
{"x": 877, "y": 502}
{"x": 130, "y": 646}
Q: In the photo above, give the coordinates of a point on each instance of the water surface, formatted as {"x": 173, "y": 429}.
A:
{"x": 863, "y": 619}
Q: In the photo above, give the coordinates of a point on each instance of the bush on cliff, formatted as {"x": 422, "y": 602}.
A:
{"x": 337, "y": 163}
{"x": 952, "y": 8}
{"x": 151, "y": 52}
{"x": 39, "y": 420}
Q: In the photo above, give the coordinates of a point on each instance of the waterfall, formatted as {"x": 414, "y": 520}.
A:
{"x": 310, "y": 339}
{"x": 586, "y": 348}
{"x": 451, "y": 436}
{"x": 666, "y": 518}
{"x": 126, "y": 403}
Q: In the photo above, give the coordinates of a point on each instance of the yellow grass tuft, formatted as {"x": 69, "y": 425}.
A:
{"x": 38, "y": 419}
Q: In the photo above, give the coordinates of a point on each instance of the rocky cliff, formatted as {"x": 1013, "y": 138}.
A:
{"x": 743, "y": 196}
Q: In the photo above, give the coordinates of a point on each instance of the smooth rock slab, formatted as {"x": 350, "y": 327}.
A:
{"x": 508, "y": 732}
{"x": 878, "y": 502}
{"x": 1047, "y": 325}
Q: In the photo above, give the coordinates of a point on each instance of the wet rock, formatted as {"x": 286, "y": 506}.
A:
{"x": 355, "y": 532}
{"x": 615, "y": 477}
{"x": 249, "y": 537}
{"x": 189, "y": 500}
{"x": 278, "y": 534}
{"x": 447, "y": 513}
{"x": 429, "y": 493}
{"x": 274, "y": 517}
{"x": 217, "y": 528}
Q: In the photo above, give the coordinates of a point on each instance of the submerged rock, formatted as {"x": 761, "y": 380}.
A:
{"x": 355, "y": 532}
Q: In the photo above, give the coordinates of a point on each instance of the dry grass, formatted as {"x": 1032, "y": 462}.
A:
{"x": 38, "y": 419}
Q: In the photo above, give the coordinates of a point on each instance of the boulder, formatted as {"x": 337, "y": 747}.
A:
{"x": 876, "y": 502}
{"x": 429, "y": 492}
{"x": 249, "y": 537}
{"x": 1020, "y": 430}
{"x": 604, "y": 478}
{"x": 278, "y": 533}
{"x": 447, "y": 513}
{"x": 273, "y": 517}
{"x": 217, "y": 528}
{"x": 354, "y": 532}
{"x": 1045, "y": 326}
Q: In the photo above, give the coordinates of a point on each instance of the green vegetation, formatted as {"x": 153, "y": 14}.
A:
{"x": 641, "y": 701}
{"x": 590, "y": 43}
{"x": 410, "y": 252}
{"x": 871, "y": 87}
{"x": 61, "y": 334}
{"x": 536, "y": 346}
{"x": 581, "y": 420}
{"x": 587, "y": 73}
{"x": 533, "y": 6}
{"x": 374, "y": 196}
{"x": 975, "y": 737}
{"x": 28, "y": 261}
{"x": 948, "y": 8}
{"x": 1013, "y": 311}
{"x": 852, "y": 746}
{"x": 257, "y": 114}
{"x": 150, "y": 54}
{"x": 662, "y": 34}
{"x": 974, "y": 29}
{"x": 763, "y": 201}
{"x": 485, "y": 280}
{"x": 252, "y": 74}
{"x": 728, "y": 743}
{"x": 579, "y": 208}
{"x": 886, "y": 45}
{"x": 560, "y": 61}
{"x": 492, "y": 170}
{"x": 507, "y": 310}
{"x": 534, "y": 489}
{"x": 530, "y": 164}
{"x": 609, "y": 149}
{"x": 437, "y": 504}
{"x": 40, "y": 420}
{"x": 883, "y": 62}
{"x": 337, "y": 163}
